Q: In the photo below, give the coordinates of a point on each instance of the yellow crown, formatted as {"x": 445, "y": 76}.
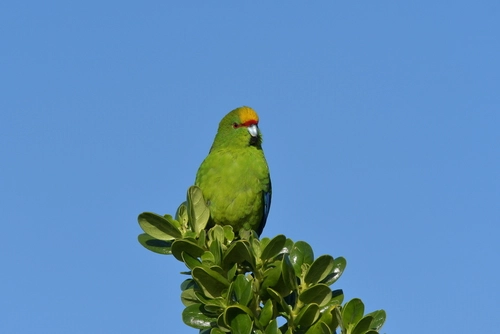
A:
{"x": 247, "y": 114}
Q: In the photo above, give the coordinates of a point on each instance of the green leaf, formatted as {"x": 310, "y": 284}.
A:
{"x": 216, "y": 331}
{"x": 256, "y": 247}
{"x": 195, "y": 316}
{"x": 243, "y": 290}
{"x": 300, "y": 253}
{"x": 155, "y": 245}
{"x": 158, "y": 227}
{"x": 190, "y": 261}
{"x": 378, "y": 319}
{"x": 288, "y": 246}
{"x": 329, "y": 318}
{"x": 241, "y": 324}
{"x": 264, "y": 242}
{"x": 271, "y": 278}
{"x": 198, "y": 210}
{"x": 186, "y": 246}
{"x": 210, "y": 281}
{"x": 319, "y": 328}
{"x": 363, "y": 325}
{"x": 232, "y": 272}
{"x": 202, "y": 239}
{"x": 188, "y": 297}
{"x": 216, "y": 250}
{"x": 288, "y": 273}
{"x": 339, "y": 265}
{"x": 266, "y": 314}
{"x": 181, "y": 215}
{"x": 274, "y": 247}
{"x": 216, "y": 233}
{"x": 208, "y": 259}
{"x": 319, "y": 294}
{"x": 188, "y": 284}
{"x": 272, "y": 328}
{"x": 278, "y": 299}
{"x": 352, "y": 312}
{"x": 238, "y": 319}
{"x": 238, "y": 252}
{"x": 319, "y": 269}
{"x": 228, "y": 232}
{"x": 214, "y": 305}
{"x": 337, "y": 297}
{"x": 307, "y": 316}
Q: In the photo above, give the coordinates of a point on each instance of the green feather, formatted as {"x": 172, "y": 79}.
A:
{"x": 234, "y": 177}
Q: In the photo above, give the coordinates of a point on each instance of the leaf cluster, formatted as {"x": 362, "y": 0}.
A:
{"x": 240, "y": 284}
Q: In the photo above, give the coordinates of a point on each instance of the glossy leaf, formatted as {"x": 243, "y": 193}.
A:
{"x": 288, "y": 246}
{"x": 228, "y": 232}
{"x": 301, "y": 253}
{"x": 217, "y": 233}
{"x": 182, "y": 215}
{"x": 202, "y": 238}
{"x": 221, "y": 324}
{"x": 155, "y": 245}
{"x": 336, "y": 300}
{"x": 186, "y": 246}
{"x": 338, "y": 296}
{"x": 242, "y": 288}
{"x": 307, "y": 316}
{"x": 267, "y": 313}
{"x": 320, "y": 268}
{"x": 271, "y": 278}
{"x": 216, "y": 250}
{"x": 339, "y": 265}
{"x": 278, "y": 299}
{"x": 238, "y": 252}
{"x": 378, "y": 319}
{"x": 352, "y": 312}
{"x": 232, "y": 272}
{"x": 189, "y": 261}
{"x": 319, "y": 328}
{"x": 288, "y": 273}
{"x": 264, "y": 242}
{"x": 188, "y": 284}
{"x": 272, "y": 328}
{"x": 255, "y": 248}
{"x": 198, "y": 210}
{"x": 210, "y": 281}
{"x": 238, "y": 319}
{"x": 274, "y": 247}
{"x": 319, "y": 294}
{"x": 195, "y": 316}
{"x": 207, "y": 258}
{"x": 188, "y": 297}
{"x": 363, "y": 325}
{"x": 158, "y": 226}
{"x": 216, "y": 331}
{"x": 329, "y": 318}
{"x": 215, "y": 303}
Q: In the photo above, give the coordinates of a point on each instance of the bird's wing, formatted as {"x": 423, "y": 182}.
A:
{"x": 267, "y": 205}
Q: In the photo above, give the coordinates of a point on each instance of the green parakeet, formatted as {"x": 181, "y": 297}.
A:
{"x": 234, "y": 177}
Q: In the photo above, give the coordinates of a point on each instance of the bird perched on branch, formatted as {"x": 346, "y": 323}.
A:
{"x": 234, "y": 177}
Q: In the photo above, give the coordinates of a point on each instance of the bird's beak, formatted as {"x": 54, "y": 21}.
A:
{"x": 253, "y": 130}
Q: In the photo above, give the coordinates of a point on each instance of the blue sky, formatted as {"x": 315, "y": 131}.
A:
{"x": 381, "y": 129}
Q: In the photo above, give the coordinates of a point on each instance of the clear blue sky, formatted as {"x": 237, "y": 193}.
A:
{"x": 381, "y": 128}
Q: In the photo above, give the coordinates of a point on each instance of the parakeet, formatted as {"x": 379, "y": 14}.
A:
{"x": 234, "y": 177}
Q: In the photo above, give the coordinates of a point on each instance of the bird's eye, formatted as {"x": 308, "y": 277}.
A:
{"x": 235, "y": 125}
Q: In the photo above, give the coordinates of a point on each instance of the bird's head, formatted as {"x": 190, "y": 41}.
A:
{"x": 239, "y": 128}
